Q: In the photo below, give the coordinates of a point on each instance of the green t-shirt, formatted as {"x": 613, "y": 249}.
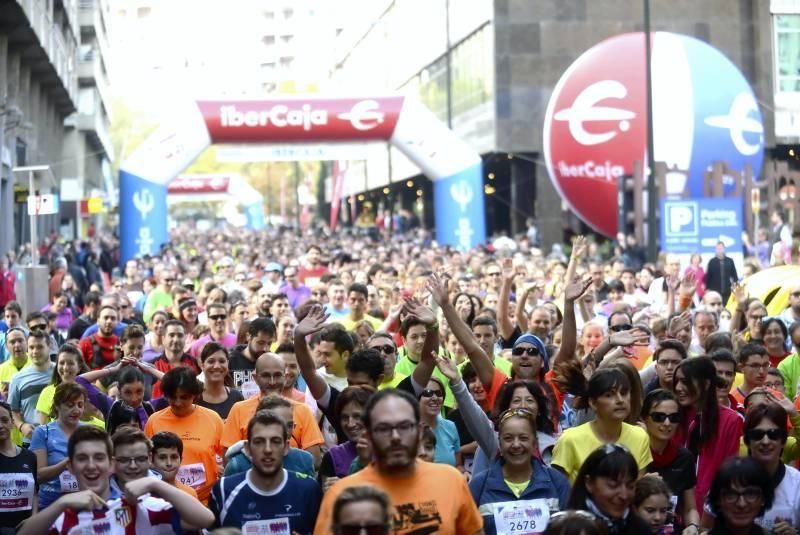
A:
{"x": 157, "y": 300}
{"x": 790, "y": 368}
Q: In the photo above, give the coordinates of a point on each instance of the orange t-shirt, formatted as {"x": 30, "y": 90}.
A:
{"x": 739, "y": 396}
{"x": 306, "y": 432}
{"x": 200, "y": 433}
{"x": 436, "y": 499}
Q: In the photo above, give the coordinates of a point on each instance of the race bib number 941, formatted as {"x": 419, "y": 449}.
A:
{"x": 192, "y": 475}
{"x": 524, "y": 517}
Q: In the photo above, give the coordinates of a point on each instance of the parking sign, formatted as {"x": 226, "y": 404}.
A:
{"x": 697, "y": 225}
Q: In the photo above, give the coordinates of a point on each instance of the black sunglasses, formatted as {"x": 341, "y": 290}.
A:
{"x": 428, "y": 393}
{"x": 754, "y": 435}
{"x": 387, "y": 349}
{"x": 218, "y": 317}
{"x": 38, "y": 326}
{"x": 530, "y": 351}
{"x": 620, "y": 328}
{"x": 661, "y": 417}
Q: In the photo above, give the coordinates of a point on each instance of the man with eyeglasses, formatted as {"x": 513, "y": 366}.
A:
{"x": 792, "y": 312}
{"x": 668, "y": 355}
{"x": 132, "y": 451}
{"x": 427, "y": 497}
{"x": 25, "y": 387}
{"x": 160, "y": 298}
{"x": 218, "y": 330}
{"x": 754, "y": 365}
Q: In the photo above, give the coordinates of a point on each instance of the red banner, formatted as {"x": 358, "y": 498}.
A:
{"x": 199, "y": 184}
{"x": 301, "y": 120}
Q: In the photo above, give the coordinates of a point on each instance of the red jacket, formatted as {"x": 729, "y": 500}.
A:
{"x": 7, "y": 292}
{"x": 102, "y": 345}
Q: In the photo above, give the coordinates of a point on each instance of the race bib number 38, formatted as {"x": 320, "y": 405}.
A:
{"x": 524, "y": 517}
{"x": 192, "y": 475}
{"x": 16, "y": 492}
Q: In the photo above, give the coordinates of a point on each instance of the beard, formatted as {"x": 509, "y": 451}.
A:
{"x": 388, "y": 458}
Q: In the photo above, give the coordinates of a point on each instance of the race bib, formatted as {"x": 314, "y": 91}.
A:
{"x": 523, "y": 517}
{"x": 68, "y": 482}
{"x": 673, "y": 503}
{"x": 774, "y": 515}
{"x": 276, "y": 526}
{"x": 250, "y": 389}
{"x": 192, "y": 475}
{"x": 16, "y": 492}
{"x": 99, "y": 526}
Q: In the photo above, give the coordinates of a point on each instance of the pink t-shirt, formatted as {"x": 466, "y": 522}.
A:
{"x": 725, "y": 444}
{"x": 229, "y": 340}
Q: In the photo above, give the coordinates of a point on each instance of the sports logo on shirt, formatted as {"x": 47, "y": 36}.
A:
{"x": 122, "y": 516}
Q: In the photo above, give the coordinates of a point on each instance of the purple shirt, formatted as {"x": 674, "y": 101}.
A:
{"x": 297, "y": 296}
{"x": 228, "y": 341}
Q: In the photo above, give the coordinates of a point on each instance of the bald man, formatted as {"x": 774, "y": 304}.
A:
{"x": 712, "y": 301}
{"x": 269, "y": 375}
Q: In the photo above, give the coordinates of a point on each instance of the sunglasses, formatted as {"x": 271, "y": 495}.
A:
{"x": 754, "y": 435}
{"x": 219, "y": 317}
{"x": 169, "y": 280}
{"x": 371, "y": 529}
{"x": 38, "y": 326}
{"x": 530, "y": 351}
{"x": 661, "y": 417}
{"x": 428, "y": 393}
{"x": 620, "y": 328}
{"x": 385, "y": 349}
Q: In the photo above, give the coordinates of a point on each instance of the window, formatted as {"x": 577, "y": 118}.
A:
{"x": 787, "y": 53}
{"x": 472, "y": 62}
{"x": 268, "y": 40}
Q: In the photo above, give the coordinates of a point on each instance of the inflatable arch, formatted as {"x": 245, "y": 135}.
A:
{"x": 453, "y": 166}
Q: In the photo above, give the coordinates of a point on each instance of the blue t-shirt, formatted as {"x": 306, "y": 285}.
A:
{"x": 92, "y": 329}
{"x": 447, "y": 442}
{"x": 297, "y": 498}
{"x": 24, "y": 390}
{"x": 51, "y": 439}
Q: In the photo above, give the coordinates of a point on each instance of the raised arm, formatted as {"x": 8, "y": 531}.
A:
{"x": 569, "y": 331}
{"x": 424, "y": 370}
{"x": 483, "y": 365}
{"x": 312, "y": 323}
{"x": 579, "y": 248}
{"x": 521, "y": 316}
{"x": 504, "y": 324}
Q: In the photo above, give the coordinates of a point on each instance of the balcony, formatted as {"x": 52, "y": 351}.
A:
{"x": 92, "y": 119}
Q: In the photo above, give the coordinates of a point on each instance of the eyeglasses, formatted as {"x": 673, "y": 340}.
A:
{"x": 661, "y": 417}
{"x": 428, "y": 393}
{"x": 750, "y": 495}
{"x": 620, "y": 328}
{"x": 142, "y": 459}
{"x": 369, "y": 529}
{"x": 530, "y": 351}
{"x": 218, "y": 317}
{"x": 170, "y": 279}
{"x": 755, "y": 366}
{"x": 386, "y": 430}
{"x": 37, "y": 326}
{"x": 755, "y": 435}
{"x": 758, "y": 317}
{"x": 386, "y": 349}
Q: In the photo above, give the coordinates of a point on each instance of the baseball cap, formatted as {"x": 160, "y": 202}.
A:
{"x": 273, "y": 266}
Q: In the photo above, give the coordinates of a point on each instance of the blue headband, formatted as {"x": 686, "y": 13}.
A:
{"x": 538, "y": 344}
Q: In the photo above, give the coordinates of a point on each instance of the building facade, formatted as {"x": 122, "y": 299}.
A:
{"x": 488, "y": 69}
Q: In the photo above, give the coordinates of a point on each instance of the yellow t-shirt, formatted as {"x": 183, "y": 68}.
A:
{"x": 517, "y": 488}
{"x": 45, "y": 403}
{"x": 502, "y": 364}
{"x": 350, "y": 325}
{"x": 8, "y": 370}
{"x": 393, "y": 382}
{"x": 577, "y": 443}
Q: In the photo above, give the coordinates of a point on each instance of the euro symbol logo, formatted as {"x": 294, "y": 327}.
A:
{"x": 583, "y": 110}
{"x": 144, "y": 202}
{"x": 462, "y": 194}
{"x": 738, "y": 121}
{"x": 364, "y": 115}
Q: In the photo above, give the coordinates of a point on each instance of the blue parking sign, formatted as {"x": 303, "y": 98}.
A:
{"x": 697, "y": 225}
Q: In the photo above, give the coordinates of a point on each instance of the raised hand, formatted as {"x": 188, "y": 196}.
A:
{"x": 579, "y": 247}
{"x": 437, "y": 286}
{"x": 419, "y": 311}
{"x": 507, "y": 267}
{"x": 447, "y": 367}
{"x": 688, "y": 284}
{"x": 633, "y": 337}
{"x": 673, "y": 283}
{"x": 679, "y": 323}
{"x": 739, "y": 293}
{"x": 313, "y": 322}
{"x": 577, "y": 288}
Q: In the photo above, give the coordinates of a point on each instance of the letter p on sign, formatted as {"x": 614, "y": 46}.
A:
{"x": 682, "y": 219}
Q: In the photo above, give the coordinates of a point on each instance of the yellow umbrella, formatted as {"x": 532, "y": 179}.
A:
{"x": 772, "y": 286}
